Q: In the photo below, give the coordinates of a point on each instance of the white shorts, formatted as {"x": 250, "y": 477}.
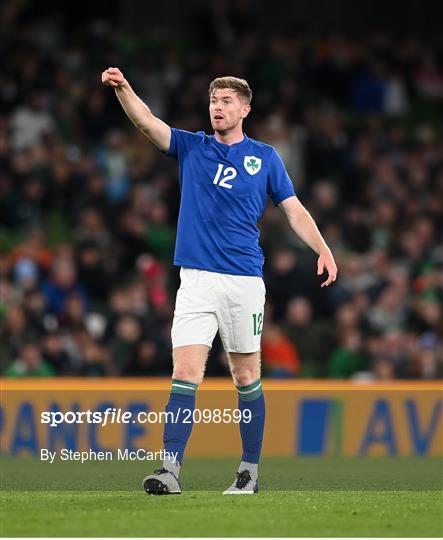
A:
{"x": 209, "y": 301}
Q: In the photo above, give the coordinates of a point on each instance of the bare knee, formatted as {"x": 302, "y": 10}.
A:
{"x": 245, "y": 368}
{"x": 189, "y": 363}
{"x": 243, "y": 377}
{"x": 187, "y": 373}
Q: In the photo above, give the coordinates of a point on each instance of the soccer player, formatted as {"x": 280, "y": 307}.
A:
{"x": 224, "y": 181}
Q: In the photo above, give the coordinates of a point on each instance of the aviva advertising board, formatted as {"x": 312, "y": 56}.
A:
{"x": 303, "y": 418}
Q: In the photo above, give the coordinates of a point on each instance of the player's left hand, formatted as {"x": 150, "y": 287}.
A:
{"x": 326, "y": 260}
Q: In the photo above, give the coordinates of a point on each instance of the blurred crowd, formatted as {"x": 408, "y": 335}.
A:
{"x": 88, "y": 207}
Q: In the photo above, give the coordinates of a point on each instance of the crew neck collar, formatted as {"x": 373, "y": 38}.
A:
{"x": 234, "y": 145}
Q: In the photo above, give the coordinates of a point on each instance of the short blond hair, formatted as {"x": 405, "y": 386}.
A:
{"x": 240, "y": 86}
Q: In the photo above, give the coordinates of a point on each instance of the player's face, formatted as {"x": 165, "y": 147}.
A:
{"x": 226, "y": 109}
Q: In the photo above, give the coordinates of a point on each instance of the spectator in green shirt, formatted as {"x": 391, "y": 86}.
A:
{"x": 347, "y": 359}
{"x": 29, "y": 363}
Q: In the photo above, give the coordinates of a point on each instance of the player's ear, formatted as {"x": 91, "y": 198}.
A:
{"x": 245, "y": 110}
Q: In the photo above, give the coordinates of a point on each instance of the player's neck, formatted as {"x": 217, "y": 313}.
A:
{"x": 229, "y": 137}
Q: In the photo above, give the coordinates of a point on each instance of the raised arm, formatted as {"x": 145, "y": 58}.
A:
{"x": 157, "y": 131}
{"x": 302, "y": 223}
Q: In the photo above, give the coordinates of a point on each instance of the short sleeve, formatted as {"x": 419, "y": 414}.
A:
{"x": 182, "y": 141}
{"x": 279, "y": 185}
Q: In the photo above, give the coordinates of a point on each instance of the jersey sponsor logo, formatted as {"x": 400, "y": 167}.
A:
{"x": 252, "y": 164}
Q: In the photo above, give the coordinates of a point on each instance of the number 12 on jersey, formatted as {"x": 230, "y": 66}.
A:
{"x": 228, "y": 174}
{"x": 258, "y": 321}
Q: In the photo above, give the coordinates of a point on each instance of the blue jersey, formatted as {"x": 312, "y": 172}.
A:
{"x": 223, "y": 194}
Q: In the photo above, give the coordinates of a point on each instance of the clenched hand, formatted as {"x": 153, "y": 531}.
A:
{"x": 113, "y": 77}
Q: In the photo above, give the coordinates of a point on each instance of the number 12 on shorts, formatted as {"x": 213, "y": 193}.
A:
{"x": 257, "y": 319}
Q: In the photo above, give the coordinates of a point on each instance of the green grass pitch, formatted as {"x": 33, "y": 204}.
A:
{"x": 298, "y": 497}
